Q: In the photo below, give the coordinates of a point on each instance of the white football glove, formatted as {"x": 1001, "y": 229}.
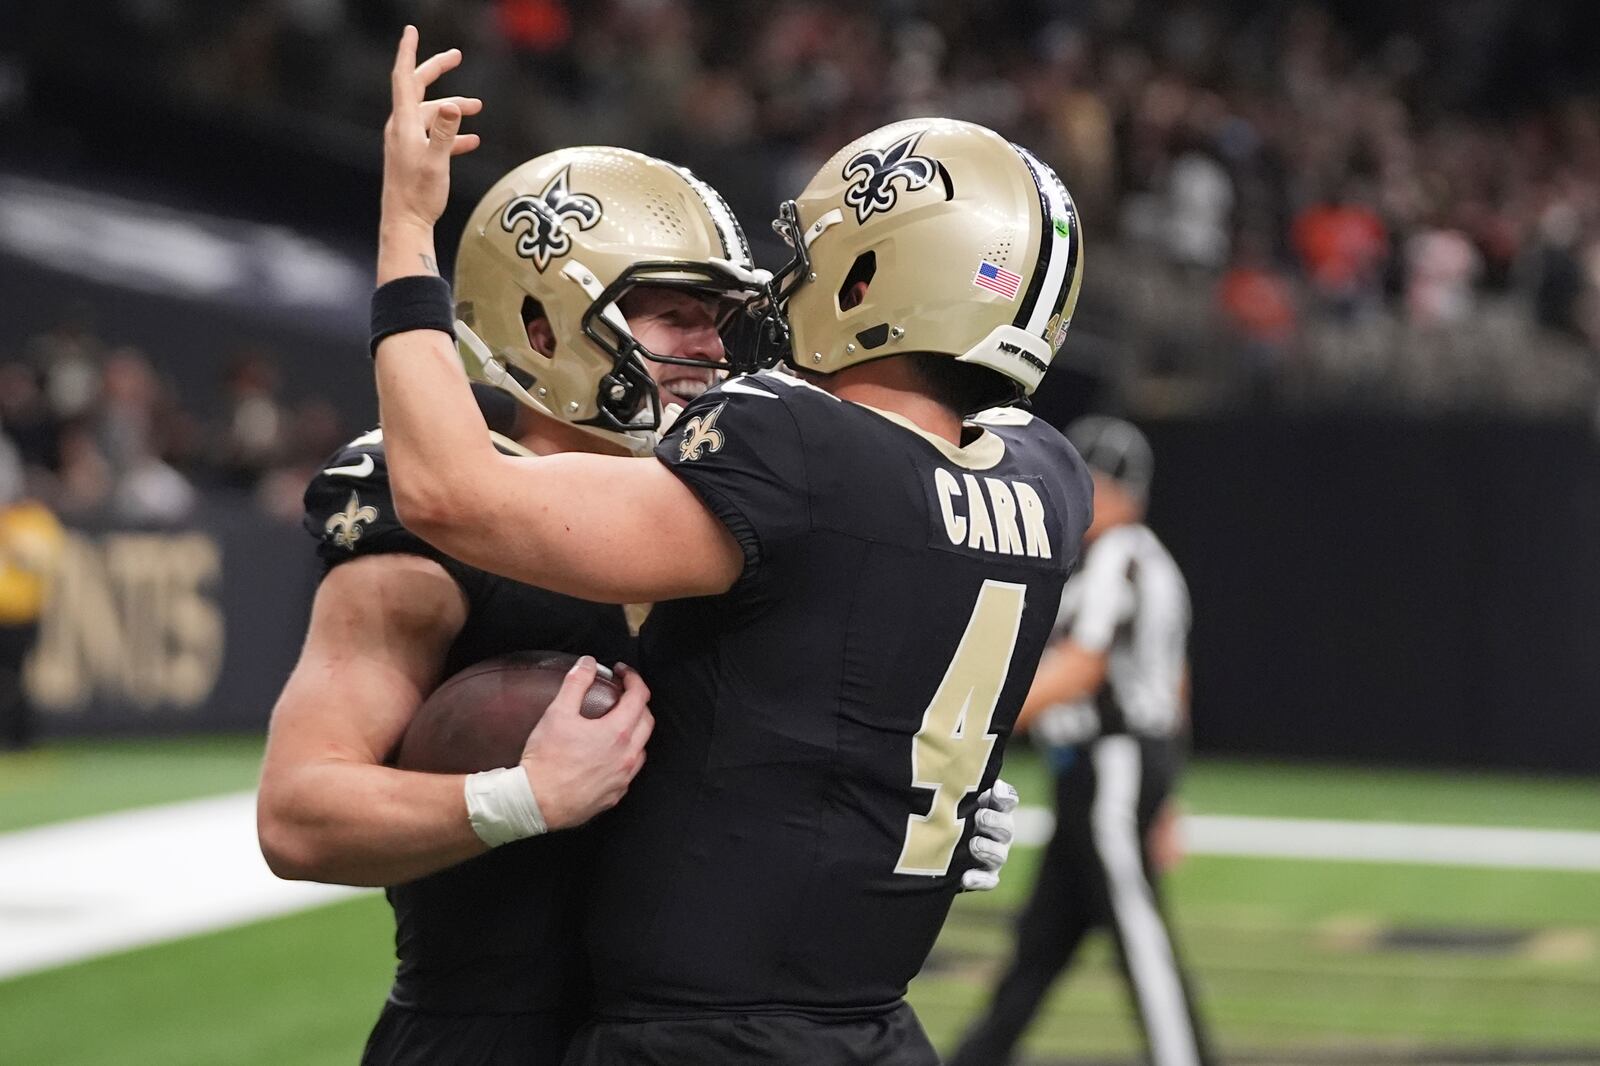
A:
{"x": 993, "y": 826}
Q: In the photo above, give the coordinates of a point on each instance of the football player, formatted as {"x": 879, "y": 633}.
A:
{"x": 488, "y": 970}
{"x": 861, "y": 578}
{"x": 488, "y": 967}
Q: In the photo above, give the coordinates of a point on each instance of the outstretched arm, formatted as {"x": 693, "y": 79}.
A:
{"x": 600, "y": 527}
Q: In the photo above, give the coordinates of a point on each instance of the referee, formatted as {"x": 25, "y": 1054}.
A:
{"x": 1109, "y": 705}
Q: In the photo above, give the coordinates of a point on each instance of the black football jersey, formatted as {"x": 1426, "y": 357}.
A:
{"x": 499, "y": 933}
{"x": 824, "y": 728}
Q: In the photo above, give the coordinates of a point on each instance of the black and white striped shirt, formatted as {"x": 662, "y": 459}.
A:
{"x": 1127, "y": 599}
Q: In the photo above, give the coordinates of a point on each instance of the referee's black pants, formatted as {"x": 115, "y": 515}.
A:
{"x": 1096, "y": 873}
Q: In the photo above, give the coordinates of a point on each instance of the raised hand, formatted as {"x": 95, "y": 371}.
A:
{"x": 419, "y": 140}
{"x": 581, "y": 766}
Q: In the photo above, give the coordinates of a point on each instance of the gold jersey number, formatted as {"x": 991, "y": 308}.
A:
{"x": 951, "y": 749}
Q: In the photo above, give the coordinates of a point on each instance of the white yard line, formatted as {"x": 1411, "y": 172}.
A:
{"x": 1383, "y": 842}
{"x": 1395, "y": 842}
{"x": 98, "y": 885}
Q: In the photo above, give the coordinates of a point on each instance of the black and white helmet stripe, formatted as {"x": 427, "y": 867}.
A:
{"x": 735, "y": 248}
{"x": 1057, "y": 263}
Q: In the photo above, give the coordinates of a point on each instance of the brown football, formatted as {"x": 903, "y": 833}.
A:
{"x": 480, "y": 718}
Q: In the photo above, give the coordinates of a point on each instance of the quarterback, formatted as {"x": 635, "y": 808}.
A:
{"x": 861, "y": 580}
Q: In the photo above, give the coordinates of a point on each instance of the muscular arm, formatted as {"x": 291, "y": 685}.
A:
{"x": 1067, "y": 672}
{"x": 328, "y": 809}
{"x": 602, "y": 528}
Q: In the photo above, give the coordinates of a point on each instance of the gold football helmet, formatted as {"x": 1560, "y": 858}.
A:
{"x": 969, "y": 247}
{"x": 566, "y": 235}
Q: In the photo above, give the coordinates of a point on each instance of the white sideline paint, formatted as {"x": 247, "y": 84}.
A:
{"x": 1384, "y": 842}
{"x": 97, "y": 885}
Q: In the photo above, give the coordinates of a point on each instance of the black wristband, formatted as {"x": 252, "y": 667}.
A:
{"x": 420, "y": 301}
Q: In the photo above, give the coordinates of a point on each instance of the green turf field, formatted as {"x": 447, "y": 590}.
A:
{"x": 1295, "y": 959}
{"x": 74, "y": 779}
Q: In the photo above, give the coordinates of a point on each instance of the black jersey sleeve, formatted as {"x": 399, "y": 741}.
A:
{"x": 349, "y": 508}
{"x": 739, "y": 448}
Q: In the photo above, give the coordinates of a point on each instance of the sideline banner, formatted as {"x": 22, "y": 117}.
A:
{"x": 179, "y": 630}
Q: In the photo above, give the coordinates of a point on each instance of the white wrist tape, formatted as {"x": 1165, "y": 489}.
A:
{"x": 501, "y": 806}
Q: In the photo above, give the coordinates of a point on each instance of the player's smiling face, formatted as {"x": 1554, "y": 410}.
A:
{"x": 680, "y": 324}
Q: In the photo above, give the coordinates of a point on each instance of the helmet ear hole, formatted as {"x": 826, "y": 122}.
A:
{"x": 541, "y": 336}
{"x": 857, "y": 281}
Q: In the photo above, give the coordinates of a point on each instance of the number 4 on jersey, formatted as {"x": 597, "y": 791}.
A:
{"x": 952, "y": 748}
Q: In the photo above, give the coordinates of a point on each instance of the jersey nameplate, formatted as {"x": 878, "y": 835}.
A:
{"x": 1005, "y": 516}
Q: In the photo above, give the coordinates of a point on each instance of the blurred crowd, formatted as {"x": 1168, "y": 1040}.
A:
{"x": 93, "y": 430}
{"x": 1355, "y": 202}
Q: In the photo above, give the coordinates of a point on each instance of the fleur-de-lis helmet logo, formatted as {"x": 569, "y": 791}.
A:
{"x": 345, "y": 526}
{"x": 548, "y": 216}
{"x": 701, "y": 432}
{"x": 872, "y": 175}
